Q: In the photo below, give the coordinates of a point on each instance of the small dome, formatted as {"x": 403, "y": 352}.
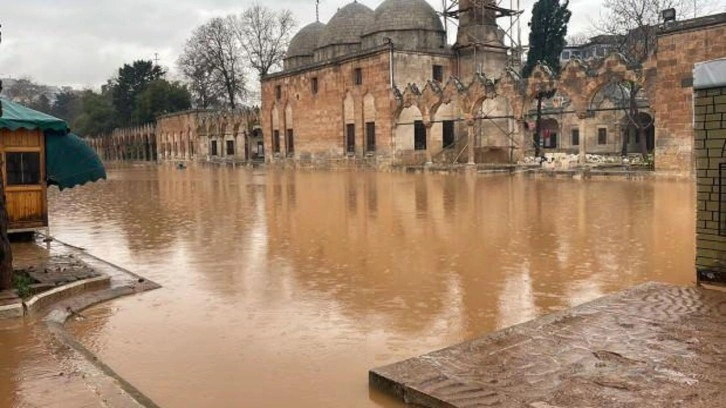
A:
{"x": 400, "y": 15}
{"x": 347, "y": 25}
{"x": 306, "y": 40}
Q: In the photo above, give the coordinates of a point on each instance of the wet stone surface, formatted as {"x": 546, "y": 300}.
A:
{"x": 59, "y": 270}
{"x": 9, "y": 297}
{"x": 652, "y": 346}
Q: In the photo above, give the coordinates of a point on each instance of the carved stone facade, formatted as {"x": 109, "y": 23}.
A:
{"x": 462, "y": 104}
{"x": 387, "y": 100}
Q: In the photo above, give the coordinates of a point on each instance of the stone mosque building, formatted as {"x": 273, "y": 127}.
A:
{"x": 339, "y": 96}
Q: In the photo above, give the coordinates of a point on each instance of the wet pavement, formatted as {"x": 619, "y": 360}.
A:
{"x": 653, "y": 346}
{"x": 35, "y": 371}
{"x": 309, "y": 279}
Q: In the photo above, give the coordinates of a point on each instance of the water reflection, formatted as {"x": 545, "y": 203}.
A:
{"x": 308, "y": 279}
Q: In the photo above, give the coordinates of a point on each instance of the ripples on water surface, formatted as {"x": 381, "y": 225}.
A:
{"x": 284, "y": 288}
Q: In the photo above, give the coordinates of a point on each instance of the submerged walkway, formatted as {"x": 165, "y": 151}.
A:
{"x": 654, "y": 345}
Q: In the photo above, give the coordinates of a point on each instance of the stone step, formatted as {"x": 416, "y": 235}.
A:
{"x": 8, "y": 295}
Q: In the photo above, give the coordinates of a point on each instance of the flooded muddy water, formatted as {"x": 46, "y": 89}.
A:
{"x": 281, "y": 289}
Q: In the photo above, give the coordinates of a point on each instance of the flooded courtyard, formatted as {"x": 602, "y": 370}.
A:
{"x": 283, "y": 288}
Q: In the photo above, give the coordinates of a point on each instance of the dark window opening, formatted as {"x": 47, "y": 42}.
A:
{"x": 290, "y": 142}
{"x": 276, "y": 141}
{"x": 438, "y": 73}
{"x": 358, "y": 76}
{"x": 419, "y": 135}
{"x": 550, "y": 139}
{"x": 371, "y": 137}
{"x": 230, "y": 147}
{"x": 278, "y": 92}
{"x": 602, "y": 136}
{"x": 448, "y": 133}
{"x": 637, "y": 136}
{"x": 575, "y": 137}
{"x": 350, "y": 139}
{"x": 314, "y": 85}
{"x": 214, "y": 148}
{"x": 22, "y": 168}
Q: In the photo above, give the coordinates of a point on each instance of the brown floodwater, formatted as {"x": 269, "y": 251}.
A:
{"x": 281, "y": 289}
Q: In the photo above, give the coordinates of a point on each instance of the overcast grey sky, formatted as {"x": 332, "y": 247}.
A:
{"x": 83, "y": 42}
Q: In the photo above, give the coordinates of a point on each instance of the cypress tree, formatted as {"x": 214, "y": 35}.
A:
{"x": 548, "y": 29}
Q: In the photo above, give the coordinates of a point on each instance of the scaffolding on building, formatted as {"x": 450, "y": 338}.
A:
{"x": 508, "y": 20}
{"x": 509, "y": 23}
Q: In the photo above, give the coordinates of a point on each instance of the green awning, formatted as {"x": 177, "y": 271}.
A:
{"x": 16, "y": 116}
{"x": 70, "y": 161}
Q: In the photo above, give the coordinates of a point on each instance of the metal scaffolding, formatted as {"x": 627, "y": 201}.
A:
{"x": 508, "y": 20}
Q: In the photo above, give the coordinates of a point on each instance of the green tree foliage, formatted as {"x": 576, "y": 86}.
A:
{"x": 546, "y": 42}
{"x": 547, "y": 37}
{"x": 161, "y": 97}
{"x": 132, "y": 80}
{"x": 97, "y": 116}
{"x": 67, "y": 105}
{"x": 41, "y": 104}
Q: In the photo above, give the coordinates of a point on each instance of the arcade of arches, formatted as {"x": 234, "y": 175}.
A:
{"x": 233, "y": 136}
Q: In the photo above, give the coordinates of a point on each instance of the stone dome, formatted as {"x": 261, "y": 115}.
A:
{"x": 400, "y": 15}
{"x": 347, "y": 25}
{"x": 306, "y": 40}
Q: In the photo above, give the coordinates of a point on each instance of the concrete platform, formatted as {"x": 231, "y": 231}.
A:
{"x": 654, "y": 345}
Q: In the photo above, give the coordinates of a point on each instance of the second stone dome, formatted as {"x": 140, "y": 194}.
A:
{"x": 410, "y": 24}
{"x": 342, "y": 35}
{"x": 303, "y": 44}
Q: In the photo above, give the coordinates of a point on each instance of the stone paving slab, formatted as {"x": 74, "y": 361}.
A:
{"x": 654, "y": 345}
{"x": 60, "y": 270}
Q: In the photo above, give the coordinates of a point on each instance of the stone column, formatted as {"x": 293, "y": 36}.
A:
{"x": 429, "y": 143}
{"x": 583, "y": 139}
{"x": 470, "y": 142}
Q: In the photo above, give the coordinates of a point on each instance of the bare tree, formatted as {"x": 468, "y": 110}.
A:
{"x": 205, "y": 83}
{"x": 25, "y": 91}
{"x": 220, "y": 53}
{"x": 634, "y": 23}
{"x": 264, "y": 35}
{"x": 577, "y": 39}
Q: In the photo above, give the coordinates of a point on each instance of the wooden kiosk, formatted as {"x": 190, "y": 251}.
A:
{"x": 37, "y": 150}
{"x": 22, "y": 154}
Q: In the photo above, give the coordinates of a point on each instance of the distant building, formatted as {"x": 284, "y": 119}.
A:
{"x": 334, "y": 102}
{"x": 596, "y": 47}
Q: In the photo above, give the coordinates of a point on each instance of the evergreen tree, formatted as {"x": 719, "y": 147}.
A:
{"x": 548, "y": 30}
{"x": 132, "y": 80}
{"x": 161, "y": 97}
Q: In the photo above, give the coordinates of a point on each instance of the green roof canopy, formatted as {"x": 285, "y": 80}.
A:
{"x": 16, "y": 116}
{"x": 69, "y": 160}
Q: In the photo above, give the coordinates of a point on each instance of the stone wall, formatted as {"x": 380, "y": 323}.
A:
{"x": 203, "y": 135}
{"x": 136, "y": 143}
{"x": 319, "y": 118}
{"x": 680, "y": 46}
{"x": 710, "y": 143}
